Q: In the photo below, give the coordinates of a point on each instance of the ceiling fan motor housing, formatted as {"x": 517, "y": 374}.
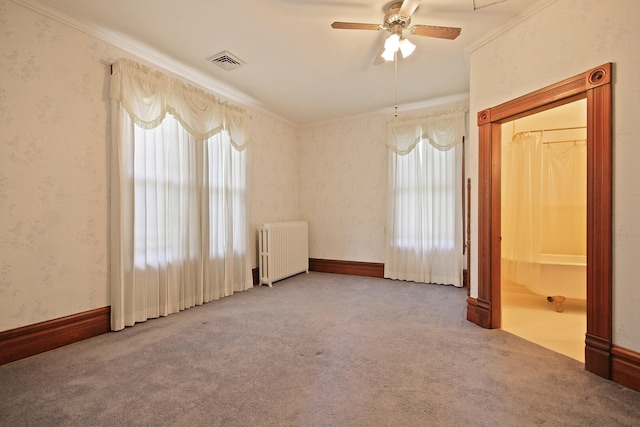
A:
{"x": 393, "y": 21}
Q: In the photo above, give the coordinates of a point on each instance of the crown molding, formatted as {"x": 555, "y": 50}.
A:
{"x": 520, "y": 18}
{"x": 389, "y": 111}
{"x": 155, "y": 58}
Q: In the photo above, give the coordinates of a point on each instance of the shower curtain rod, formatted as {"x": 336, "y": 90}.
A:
{"x": 564, "y": 141}
{"x": 554, "y": 129}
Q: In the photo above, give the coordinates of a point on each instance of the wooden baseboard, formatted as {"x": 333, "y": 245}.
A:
{"x": 597, "y": 355}
{"x": 479, "y": 312}
{"x": 472, "y": 310}
{"x": 625, "y": 367}
{"x": 355, "y": 268}
{"x": 33, "y": 339}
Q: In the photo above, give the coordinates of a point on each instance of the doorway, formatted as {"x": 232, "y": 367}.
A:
{"x": 595, "y": 85}
{"x": 543, "y": 223}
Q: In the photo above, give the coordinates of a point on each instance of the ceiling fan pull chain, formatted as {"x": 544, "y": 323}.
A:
{"x": 395, "y": 79}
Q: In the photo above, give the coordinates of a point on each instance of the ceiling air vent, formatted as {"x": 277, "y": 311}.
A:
{"x": 226, "y": 60}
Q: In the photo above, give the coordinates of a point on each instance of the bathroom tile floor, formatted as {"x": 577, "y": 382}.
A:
{"x": 533, "y": 318}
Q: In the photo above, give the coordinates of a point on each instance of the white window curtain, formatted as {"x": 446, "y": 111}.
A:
{"x": 179, "y": 230}
{"x": 424, "y": 217}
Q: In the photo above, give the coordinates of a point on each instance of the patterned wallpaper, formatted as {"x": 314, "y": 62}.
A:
{"x": 53, "y": 163}
{"x": 343, "y": 188}
{"x": 274, "y": 176}
{"x": 564, "y": 39}
{"x": 54, "y": 144}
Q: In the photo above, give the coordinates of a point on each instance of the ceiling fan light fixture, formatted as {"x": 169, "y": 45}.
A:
{"x": 406, "y": 47}
{"x": 395, "y": 43}
{"x": 388, "y": 54}
{"x": 392, "y": 43}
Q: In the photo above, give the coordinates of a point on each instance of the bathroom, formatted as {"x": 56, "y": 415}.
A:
{"x": 543, "y": 228}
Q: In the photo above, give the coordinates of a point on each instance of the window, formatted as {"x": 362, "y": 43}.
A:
{"x": 427, "y": 200}
{"x": 165, "y": 195}
{"x": 178, "y": 196}
{"x": 424, "y": 216}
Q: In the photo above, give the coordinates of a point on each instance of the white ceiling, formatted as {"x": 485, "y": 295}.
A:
{"x": 297, "y": 66}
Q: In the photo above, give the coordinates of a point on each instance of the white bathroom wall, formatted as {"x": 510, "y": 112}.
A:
{"x": 561, "y": 40}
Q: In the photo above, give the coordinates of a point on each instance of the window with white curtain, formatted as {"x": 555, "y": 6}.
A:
{"x": 179, "y": 229}
{"x": 167, "y": 200}
{"x": 424, "y": 216}
{"x": 425, "y": 198}
{"x": 226, "y": 187}
{"x": 165, "y": 194}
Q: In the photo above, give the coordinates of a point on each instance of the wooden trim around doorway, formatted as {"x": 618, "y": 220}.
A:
{"x": 596, "y": 86}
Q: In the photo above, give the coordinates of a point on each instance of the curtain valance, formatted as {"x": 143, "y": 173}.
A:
{"x": 443, "y": 132}
{"x": 149, "y": 95}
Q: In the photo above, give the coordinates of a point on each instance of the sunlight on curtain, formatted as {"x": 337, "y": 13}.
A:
{"x": 227, "y": 264}
{"x": 179, "y": 228}
{"x": 424, "y": 218}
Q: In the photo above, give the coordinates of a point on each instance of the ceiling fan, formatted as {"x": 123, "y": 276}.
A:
{"x": 396, "y": 20}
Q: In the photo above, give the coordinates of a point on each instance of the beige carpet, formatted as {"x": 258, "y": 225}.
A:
{"x": 314, "y": 350}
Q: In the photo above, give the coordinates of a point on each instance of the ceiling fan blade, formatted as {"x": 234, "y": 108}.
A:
{"x": 408, "y": 7}
{"x": 448, "y": 33}
{"x": 355, "y": 26}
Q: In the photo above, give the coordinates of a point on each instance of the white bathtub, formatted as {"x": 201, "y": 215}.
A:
{"x": 562, "y": 276}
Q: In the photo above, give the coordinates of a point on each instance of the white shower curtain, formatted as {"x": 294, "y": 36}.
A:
{"x": 564, "y": 198}
{"x": 543, "y": 203}
{"x": 521, "y": 207}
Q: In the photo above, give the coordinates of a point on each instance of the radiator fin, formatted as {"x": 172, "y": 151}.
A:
{"x": 283, "y": 250}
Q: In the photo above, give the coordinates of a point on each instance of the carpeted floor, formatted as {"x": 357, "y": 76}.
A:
{"x": 314, "y": 350}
